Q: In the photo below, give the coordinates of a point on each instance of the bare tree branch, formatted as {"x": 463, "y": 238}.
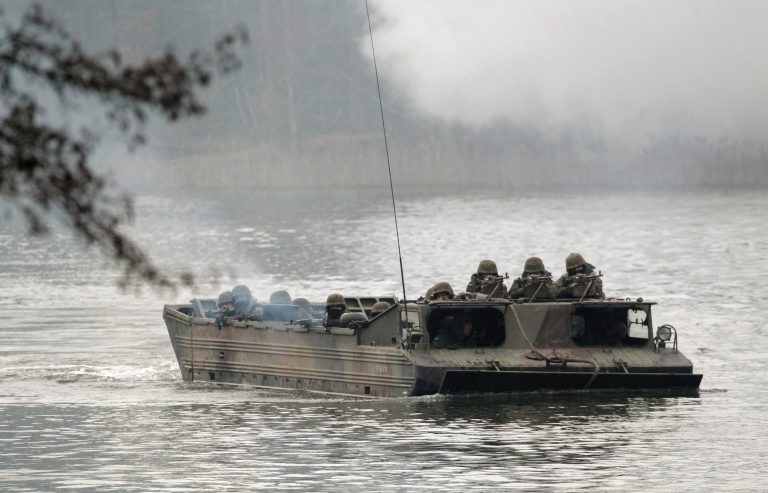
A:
{"x": 44, "y": 170}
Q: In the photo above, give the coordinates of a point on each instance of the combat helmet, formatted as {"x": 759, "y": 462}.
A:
{"x": 225, "y": 298}
{"x": 428, "y": 295}
{"x": 533, "y": 265}
{"x": 280, "y": 297}
{"x": 378, "y": 308}
{"x": 442, "y": 288}
{"x": 487, "y": 267}
{"x": 574, "y": 261}
{"x": 305, "y": 307}
{"x": 241, "y": 292}
{"x": 335, "y": 300}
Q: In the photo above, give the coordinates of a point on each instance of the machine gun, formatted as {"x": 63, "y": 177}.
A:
{"x": 536, "y": 279}
{"x": 538, "y": 285}
{"x": 491, "y": 280}
{"x": 581, "y": 284}
{"x": 584, "y": 278}
{"x": 221, "y": 317}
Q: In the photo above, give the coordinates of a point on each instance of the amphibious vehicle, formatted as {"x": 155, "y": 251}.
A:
{"x": 518, "y": 345}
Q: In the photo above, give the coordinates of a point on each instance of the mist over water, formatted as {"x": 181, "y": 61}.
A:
{"x": 524, "y": 95}
{"x": 629, "y": 70}
{"x": 516, "y": 129}
{"x": 92, "y": 399}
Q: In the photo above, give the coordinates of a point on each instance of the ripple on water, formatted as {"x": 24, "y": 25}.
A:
{"x": 91, "y": 397}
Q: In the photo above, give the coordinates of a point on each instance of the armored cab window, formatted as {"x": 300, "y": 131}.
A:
{"x": 610, "y": 326}
{"x": 455, "y": 327}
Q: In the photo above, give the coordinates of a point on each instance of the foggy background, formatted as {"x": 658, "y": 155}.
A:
{"x": 539, "y": 95}
{"x": 627, "y": 131}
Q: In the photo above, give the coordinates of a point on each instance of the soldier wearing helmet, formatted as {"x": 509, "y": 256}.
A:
{"x": 379, "y": 308}
{"x": 305, "y": 308}
{"x": 534, "y": 282}
{"x": 441, "y": 291}
{"x": 487, "y": 281}
{"x": 245, "y": 303}
{"x": 335, "y": 306}
{"x": 226, "y": 304}
{"x": 580, "y": 279}
{"x": 428, "y": 295}
{"x": 455, "y": 332}
{"x": 280, "y": 297}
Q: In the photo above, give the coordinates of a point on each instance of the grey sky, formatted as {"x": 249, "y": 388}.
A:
{"x": 618, "y": 67}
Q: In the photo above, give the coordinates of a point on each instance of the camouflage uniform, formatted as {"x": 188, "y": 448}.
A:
{"x": 541, "y": 285}
{"x": 226, "y": 304}
{"x": 487, "y": 280}
{"x": 455, "y": 332}
{"x": 577, "y": 279}
{"x": 335, "y": 306}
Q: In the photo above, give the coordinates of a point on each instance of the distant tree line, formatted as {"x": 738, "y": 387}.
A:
{"x": 303, "y": 112}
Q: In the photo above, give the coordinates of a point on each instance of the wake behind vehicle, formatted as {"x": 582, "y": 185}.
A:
{"x": 500, "y": 346}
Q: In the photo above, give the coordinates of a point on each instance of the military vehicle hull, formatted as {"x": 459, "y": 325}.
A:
{"x": 513, "y": 347}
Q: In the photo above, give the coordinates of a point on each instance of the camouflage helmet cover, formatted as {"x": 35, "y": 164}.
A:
{"x": 534, "y": 265}
{"x": 280, "y": 297}
{"x": 487, "y": 267}
{"x": 335, "y": 299}
{"x": 226, "y": 297}
{"x": 574, "y": 261}
{"x": 241, "y": 290}
{"x": 429, "y": 293}
{"x": 379, "y": 307}
{"x": 441, "y": 288}
{"x": 302, "y": 302}
{"x": 304, "y": 306}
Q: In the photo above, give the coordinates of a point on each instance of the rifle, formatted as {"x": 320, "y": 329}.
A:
{"x": 588, "y": 279}
{"x": 584, "y": 278}
{"x": 539, "y": 280}
{"x": 221, "y": 317}
{"x": 495, "y": 280}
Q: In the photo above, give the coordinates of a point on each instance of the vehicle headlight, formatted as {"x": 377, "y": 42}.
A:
{"x": 664, "y": 333}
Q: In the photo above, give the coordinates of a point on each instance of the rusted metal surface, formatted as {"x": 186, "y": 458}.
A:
{"x": 287, "y": 356}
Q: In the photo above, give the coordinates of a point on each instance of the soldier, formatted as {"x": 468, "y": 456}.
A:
{"x": 580, "y": 278}
{"x": 245, "y": 303}
{"x": 428, "y": 295}
{"x": 305, "y": 308}
{"x": 280, "y": 297}
{"x": 226, "y": 304}
{"x": 378, "y": 308}
{"x": 455, "y": 332}
{"x": 534, "y": 281}
{"x": 335, "y": 306}
{"x": 487, "y": 281}
{"x": 441, "y": 291}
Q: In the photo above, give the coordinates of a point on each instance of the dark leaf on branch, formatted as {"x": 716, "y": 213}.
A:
{"x": 45, "y": 170}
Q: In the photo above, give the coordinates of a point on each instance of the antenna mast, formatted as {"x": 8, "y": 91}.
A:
{"x": 386, "y": 149}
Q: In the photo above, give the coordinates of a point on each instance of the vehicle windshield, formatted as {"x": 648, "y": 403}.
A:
{"x": 454, "y": 327}
{"x": 610, "y": 326}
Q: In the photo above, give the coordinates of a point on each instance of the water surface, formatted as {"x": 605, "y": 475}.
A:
{"x": 91, "y": 398}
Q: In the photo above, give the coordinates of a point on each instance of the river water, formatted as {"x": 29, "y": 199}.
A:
{"x": 91, "y": 398}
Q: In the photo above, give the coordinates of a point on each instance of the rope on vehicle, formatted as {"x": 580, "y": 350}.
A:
{"x": 548, "y": 359}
